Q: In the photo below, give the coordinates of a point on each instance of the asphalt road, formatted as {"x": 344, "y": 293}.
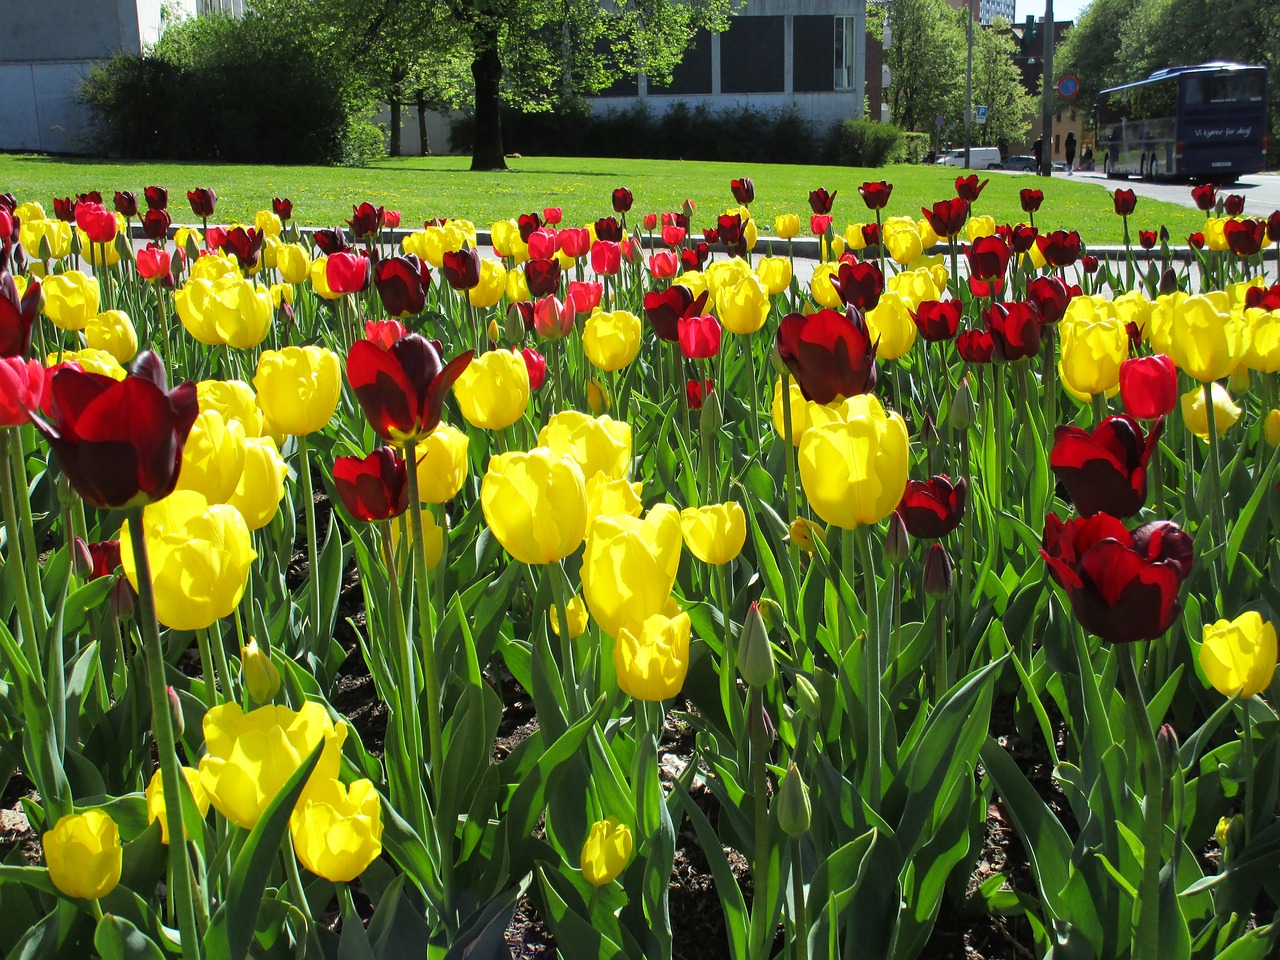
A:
{"x": 1261, "y": 191}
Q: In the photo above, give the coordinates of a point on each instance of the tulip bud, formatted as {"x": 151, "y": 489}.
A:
{"x": 1167, "y": 750}
{"x": 775, "y": 359}
{"x": 514, "y": 327}
{"x": 897, "y": 543}
{"x": 1271, "y": 428}
{"x": 772, "y": 614}
{"x": 804, "y": 534}
{"x": 1220, "y": 834}
{"x": 960, "y": 417}
{"x": 1230, "y": 836}
{"x": 929, "y": 432}
{"x": 82, "y": 559}
{"x": 1239, "y": 380}
{"x": 175, "y": 713}
{"x": 755, "y": 652}
{"x": 1168, "y": 282}
{"x": 794, "y": 811}
{"x": 807, "y": 698}
{"x": 711, "y": 419}
{"x": 937, "y": 572}
{"x": 65, "y": 494}
{"x": 598, "y": 397}
{"x": 260, "y": 675}
{"x": 494, "y": 331}
{"x": 122, "y": 599}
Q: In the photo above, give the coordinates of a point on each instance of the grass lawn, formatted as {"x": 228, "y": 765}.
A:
{"x": 443, "y": 186}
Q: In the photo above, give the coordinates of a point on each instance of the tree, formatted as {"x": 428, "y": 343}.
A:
{"x": 926, "y": 60}
{"x": 997, "y": 83}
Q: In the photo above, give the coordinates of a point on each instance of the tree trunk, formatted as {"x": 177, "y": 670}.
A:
{"x": 486, "y": 71}
{"x": 395, "y": 122}
{"x": 424, "y": 142}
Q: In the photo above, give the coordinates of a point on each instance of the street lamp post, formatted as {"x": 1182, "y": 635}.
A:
{"x": 968, "y": 91}
{"x": 1046, "y": 101}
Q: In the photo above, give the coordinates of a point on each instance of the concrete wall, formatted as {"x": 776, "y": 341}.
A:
{"x": 410, "y": 145}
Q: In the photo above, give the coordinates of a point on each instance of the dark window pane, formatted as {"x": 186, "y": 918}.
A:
{"x": 693, "y": 75}
{"x": 813, "y": 54}
{"x": 751, "y": 55}
{"x": 623, "y": 85}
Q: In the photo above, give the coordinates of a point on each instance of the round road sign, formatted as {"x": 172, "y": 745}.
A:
{"x": 1069, "y": 86}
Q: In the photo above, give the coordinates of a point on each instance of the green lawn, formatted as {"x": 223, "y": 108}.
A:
{"x": 443, "y": 186}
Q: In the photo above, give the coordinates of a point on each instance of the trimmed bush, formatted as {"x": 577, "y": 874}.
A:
{"x": 866, "y": 143}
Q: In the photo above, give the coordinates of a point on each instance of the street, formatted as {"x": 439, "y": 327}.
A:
{"x": 1261, "y": 191}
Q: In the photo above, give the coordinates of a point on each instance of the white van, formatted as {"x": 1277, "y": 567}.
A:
{"x": 980, "y": 158}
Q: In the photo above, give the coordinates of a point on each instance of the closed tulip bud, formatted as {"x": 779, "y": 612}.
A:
{"x": 710, "y": 419}
{"x": 84, "y": 855}
{"x": 1221, "y": 831}
{"x": 755, "y": 651}
{"x": 176, "y": 716}
{"x": 156, "y": 808}
{"x": 575, "y": 612}
{"x": 805, "y": 534}
{"x": 807, "y": 698}
{"x": 897, "y": 543}
{"x": 122, "y": 599}
{"x": 606, "y": 852}
{"x": 260, "y": 675}
{"x": 1167, "y": 750}
{"x": 1239, "y": 380}
{"x": 1271, "y": 428}
{"x": 960, "y": 416}
{"x": 1239, "y": 656}
{"x": 82, "y": 560}
{"x": 937, "y": 572}
{"x": 794, "y": 811}
{"x": 929, "y": 432}
{"x": 598, "y": 397}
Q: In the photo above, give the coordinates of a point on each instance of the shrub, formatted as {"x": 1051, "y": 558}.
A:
{"x": 866, "y": 143}
{"x": 914, "y": 147}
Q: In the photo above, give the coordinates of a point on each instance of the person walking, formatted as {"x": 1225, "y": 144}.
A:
{"x": 1036, "y": 151}
{"x": 1070, "y": 148}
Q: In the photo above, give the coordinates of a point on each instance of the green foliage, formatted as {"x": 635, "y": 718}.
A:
{"x": 926, "y": 63}
{"x": 865, "y": 143}
{"x": 997, "y": 83}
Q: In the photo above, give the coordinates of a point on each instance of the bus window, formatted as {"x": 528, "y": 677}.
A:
{"x": 1202, "y": 89}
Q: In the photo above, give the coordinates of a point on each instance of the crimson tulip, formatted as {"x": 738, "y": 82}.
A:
{"x": 858, "y": 284}
{"x": 97, "y": 222}
{"x": 553, "y": 318}
{"x": 606, "y": 258}
{"x": 975, "y": 346}
{"x": 875, "y": 194}
{"x": 968, "y": 188}
{"x": 744, "y": 190}
{"x": 696, "y": 256}
{"x": 104, "y": 558}
{"x": 347, "y": 272}
{"x": 1022, "y": 237}
{"x": 461, "y": 268}
{"x": 93, "y": 196}
{"x": 536, "y": 364}
{"x": 820, "y": 201}
{"x": 384, "y": 332}
{"x": 1196, "y": 240}
{"x": 664, "y": 264}
{"x": 527, "y": 224}
{"x": 401, "y": 282}
{"x": 830, "y": 354}
{"x": 366, "y": 220}
{"x": 1015, "y": 329}
{"x": 542, "y": 243}
{"x": 1105, "y": 471}
{"x": 157, "y": 197}
{"x": 1060, "y": 248}
{"x": 1233, "y": 205}
{"x": 1149, "y": 386}
{"x": 375, "y": 487}
{"x": 871, "y": 234}
{"x": 730, "y": 227}
{"x": 699, "y": 336}
{"x": 119, "y": 442}
{"x": 155, "y": 224}
{"x": 947, "y": 217}
{"x": 1205, "y": 196}
{"x": 1031, "y": 199}
{"x": 552, "y": 215}
{"x": 282, "y": 208}
{"x": 401, "y": 388}
{"x": 1244, "y": 237}
{"x": 937, "y": 320}
{"x": 21, "y": 389}
{"x": 1122, "y": 586}
{"x": 696, "y": 391}
{"x": 609, "y": 229}
{"x": 1266, "y": 299}
{"x": 574, "y": 241}
{"x": 1051, "y": 295}
{"x": 153, "y": 262}
{"x": 1146, "y": 239}
{"x": 202, "y": 200}
{"x": 988, "y": 258}
{"x": 622, "y": 200}
{"x": 17, "y": 316}
{"x": 930, "y": 509}
{"x": 126, "y": 203}
{"x": 1124, "y": 201}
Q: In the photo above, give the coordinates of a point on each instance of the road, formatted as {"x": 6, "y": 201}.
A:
{"x": 1261, "y": 191}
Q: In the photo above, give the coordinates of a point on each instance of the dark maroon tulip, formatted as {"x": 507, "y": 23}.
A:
{"x": 933, "y": 508}
{"x": 875, "y": 194}
{"x": 1088, "y": 263}
{"x": 202, "y": 200}
{"x": 1060, "y": 248}
{"x": 622, "y": 200}
{"x": 331, "y": 240}
{"x": 1233, "y": 205}
{"x": 696, "y": 391}
{"x": 665, "y": 308}
{"x": 402, "y": 284}
{"x": 1244, "y": 237}
{"x": 1205, "y": 195}
{"x": 830, "y": 354}
{"x": 1015, "y": 329}
{"x": 1122, "y": 586}
{"x": 366, "y": 220}
{"x": 871, "y": 234}
{"x": 401, "y": 388}
{"x": 938, "y": 572}
{"x": 729, "y": 228}
{"x": 157, "y": 198}
{"x": 8, "y": 201}
{"x": 1262, "y": 298}
{"x": 1273, "y": 226}
{"x": 1147, "y": 239}
{"x": 1149, "y": 386}
{"x": 119, "y": 442}
{"x": 858, "y": 285}
{"x": 93, "y": 196}
{"x": 820, "y": 201}
{"x": 1105, "y": 471}
{"x": 711, "y": 235}
{"x": 283, "y": 208}
{"x": 64, "y": 208}
{"x": 17, "y": 316}
{"x": 947, "y": 216}
{"x": 1125, "y": 201}
{"x": 938, "y": 320}
{"x": 542, "y": 276}
{"x": 527, "y": 224}
{"x": 1022, "y": 237}
{"x": 1196, "y": 240}
{"x": 375, "y": 487}
{"x": 155, "y": 224}
{"x": 243, "y": 244}
{"x": 461, "y": 268}
{"x": 988, "y": 258}
{"x": 975, "y": 346}
{"x": 695, "y": 257}
{"x": 1031, "y": 199}
{"x": 744, "y": 190}
{"x": 968, "y": 188}
{"x": 104, "y": 558}
{"x": 126, "y": 203}
{"x": 536, "y": 364}
{"x": 608, "y": 228}
{"x": 1051, "y": 296}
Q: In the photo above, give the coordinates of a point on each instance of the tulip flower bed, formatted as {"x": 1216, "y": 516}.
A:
{"x": 935, "y": 588}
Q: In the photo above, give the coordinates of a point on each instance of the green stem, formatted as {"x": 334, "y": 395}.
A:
{"x": 729, "y": 660}
{"x": 22, "y": 498}
{"x": 313, "y": 546}
{"x": 211, "y": 696}
{"x": 1246, "y": 724}
{"x": 166, "y": 744}
{"x": 567, "y": 663}
{"x": 1214, "y": 475}
{"x": 1146, "y": 934}
{"x": 942, "y": 682}
{"x": 759, "y": 793}
{"x": 789, "y": 449}
{"x": 26, "y": 619}
{"x": 800, "y": 921}
{"x": 753, "y": 395}
{"x": 872, "y": 660}
{"x": 300, "y": 892}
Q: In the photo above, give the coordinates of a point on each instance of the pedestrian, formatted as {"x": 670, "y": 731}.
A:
{"x": 1037, "y": 151}
{"x": 1070, "y": 147}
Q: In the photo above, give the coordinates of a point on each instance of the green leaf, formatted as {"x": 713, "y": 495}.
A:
{"x": 736, "y": 920}
{"x": 576, "y": 938}
{"x": 118, "y": 939}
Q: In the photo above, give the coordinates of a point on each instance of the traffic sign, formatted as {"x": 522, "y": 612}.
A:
{"x": 1069, "y": 86}
{"x": 941, "y": 121}
{"x": 980, "y": 114}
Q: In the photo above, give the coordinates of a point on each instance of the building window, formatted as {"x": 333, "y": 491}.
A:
{"x": 845, "y": 52}
{"x": 811, "y": 54}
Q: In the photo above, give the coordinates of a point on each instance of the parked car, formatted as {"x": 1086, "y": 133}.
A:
{"x": 980, "y": 158}
{"x": 1023, "y": 162}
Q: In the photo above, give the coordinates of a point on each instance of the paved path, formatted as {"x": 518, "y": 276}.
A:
{"x": 1261, "y": 191}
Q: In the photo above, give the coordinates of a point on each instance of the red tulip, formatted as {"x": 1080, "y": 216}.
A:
{"x": 696, "y": 391}
{"x": 584, "y": 295}
{"x": 104, "y": 558}
{"x": 871, "y": 234}
{"x": 17, "y": 316}
{"x": 830, "y": 354}
{"x": 157, "y": 197}
{"x": 401, "y": 388}
{"x": 858, "y": 284}
{"x": 574, "y": 241}
{"x": 21, "y": 388}
{"x": 975, "y": 346}
{"x": 375, "y": 487}
{"x": 1149, "y": 386}
{"x": 1146, "y": 239}
{"x": 155, "y": 224}
{"x": 1105, "y": 471}
{"x": 1196, "y": 240}
{"x": 699, "y": 336}
{"x": 1124, "y": 202}
{"x": 98, "y": 223}
{"x": 1031, "y": 199}
{"x": 126, "y": 203}
{"x": 606, "y": 258}
{"x": 461, "y": 268}
{"x": 366, "y": 220}
{"x": 696, "y": 256}
{"x": 527, "y": 223}
{"x": 1233, "y": 205}
{"x": 938, "y": 320}
{"x": 1060, "y": 248}
{"x": 664, "y": 308}
{"x": 244, "y": 245}
{"x": 664, "y": 264}
{"x": 536, "y": 364}
{"x": 1015, "y": 329}
{"x": 622, "y": 200}
{"x": 1205, "y": 195}
{"x": 542, "y": 244}
{"x": 932, "y": 508}
{"x": 64, "y": 208}
{"x": 968, "y": 188}
{"x": 202, "y": 200}
{"x": 1244, "y": 237}
{"x": 1267, "y": 299}
{"x": 650, "y": 221}
{"x": 988, "y": 258}
{"x": 283, "y": 208}
{"x": 119, "y": 443}
{"x": 876, "y": 194}
{"x": 819, "y": 224}
{"x": 1273, "y": 226}
{"x": 1051, "y": 296}
{"x": 947, "y": 216}
{"x": 744, "y": 190}
{"x": 820, "y": 201}
{"x": 1088, "y": 263}
{"x": 552, "y": 215}
{"x": 401, "y": 282}
{"x": 674, "y": 235}
{"x": 553, "y": 318}
{"x": 153, "y": 262}
{"x": 347, "y": 272}
{"x": 1122, "y": 586}
{"x": 384, "y": 332}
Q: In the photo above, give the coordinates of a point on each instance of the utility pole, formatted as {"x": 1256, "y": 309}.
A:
{"x": 1046, "y": 102}
{"x": 968, "y": 90}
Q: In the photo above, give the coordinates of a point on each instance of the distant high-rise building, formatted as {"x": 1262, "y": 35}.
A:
{"x": 988, "y": 10}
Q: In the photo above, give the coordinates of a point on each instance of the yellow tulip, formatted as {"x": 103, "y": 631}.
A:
{"x": 1225, "y": 412}
{"x": 980, "y": 226}
{"x": 1214, "y": 230}
{"x": 575, "y": 612}
{"x": 891, "y": 327}
{"x": 833, "y": 250}
{"x": 597, "y": 444}
{"x": 652, "y": 659}
{"x": 1271, "y": 428}
{"x": 805, "y": 534}
{"x": 1239, "y": 656}
{"x": 56, "y": 235}
{"x": 694, "y": 281}
{"x": 94, "y": 254}
{"x": 298, "y": 388}
{"x": 630, "y": 566}
{"x": 799, "y": 412}
{"x": 234, "y": 399}
{"x": 774, "y": 273}
{"x": 518, "y": 287}
{"x": 854, "y": 238}
{"x": 535, "y": 503}
{"x": 493, "y": 391}
{"x": 598, "y": 400}
{"x": 319, "y": 275}
{"x": 612, "y": 498}
{"x": 261, "y": 676}
{"x": 29, "y": 210}
{"x": 268, "y": 223}
{"x": 786, "y": 225}
{"x": 606, "y": 852}
{"x": 492, "y": 285}
{"x": 743, "y": 307}
{"x": 213, "y": 458}
{"x": 902, "y": 238}
{"x": 821, "y": 289}
{"x": 715, "y": 533}
{"x": 1207, "y": 341}
{"x": 92, "y": 361}
{"x": 442, "y": 463}
{"x": 506, "y": 240}
{"x": 211, "y": 266}
{"x": 1263, "y": 353}
{"x": 611, "y": 340}
{"x": 337, "y": 830}
{"x": 112, "y": 331}
{"x": 1132, "y": 307}
{"x": 185, "y": 237}
{"x": 155, "y": 800}
{"x": 281, "y": 293}
{"x": 251, "y": 755}
{"x": 84, "y": 855}
{"x": 722, "y": 274}
{"x": 915, "y": 286}
{"x": 260, "y": 489}
{"x": 854, "y": 469}
{"x": 432, "y": 541}
{"x": 1092, "y": 351}
{"x": 293, "y": 262}
{"x": 70, "y": 299}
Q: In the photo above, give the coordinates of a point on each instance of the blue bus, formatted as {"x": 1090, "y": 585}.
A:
{"x": 1206, "y": 122}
